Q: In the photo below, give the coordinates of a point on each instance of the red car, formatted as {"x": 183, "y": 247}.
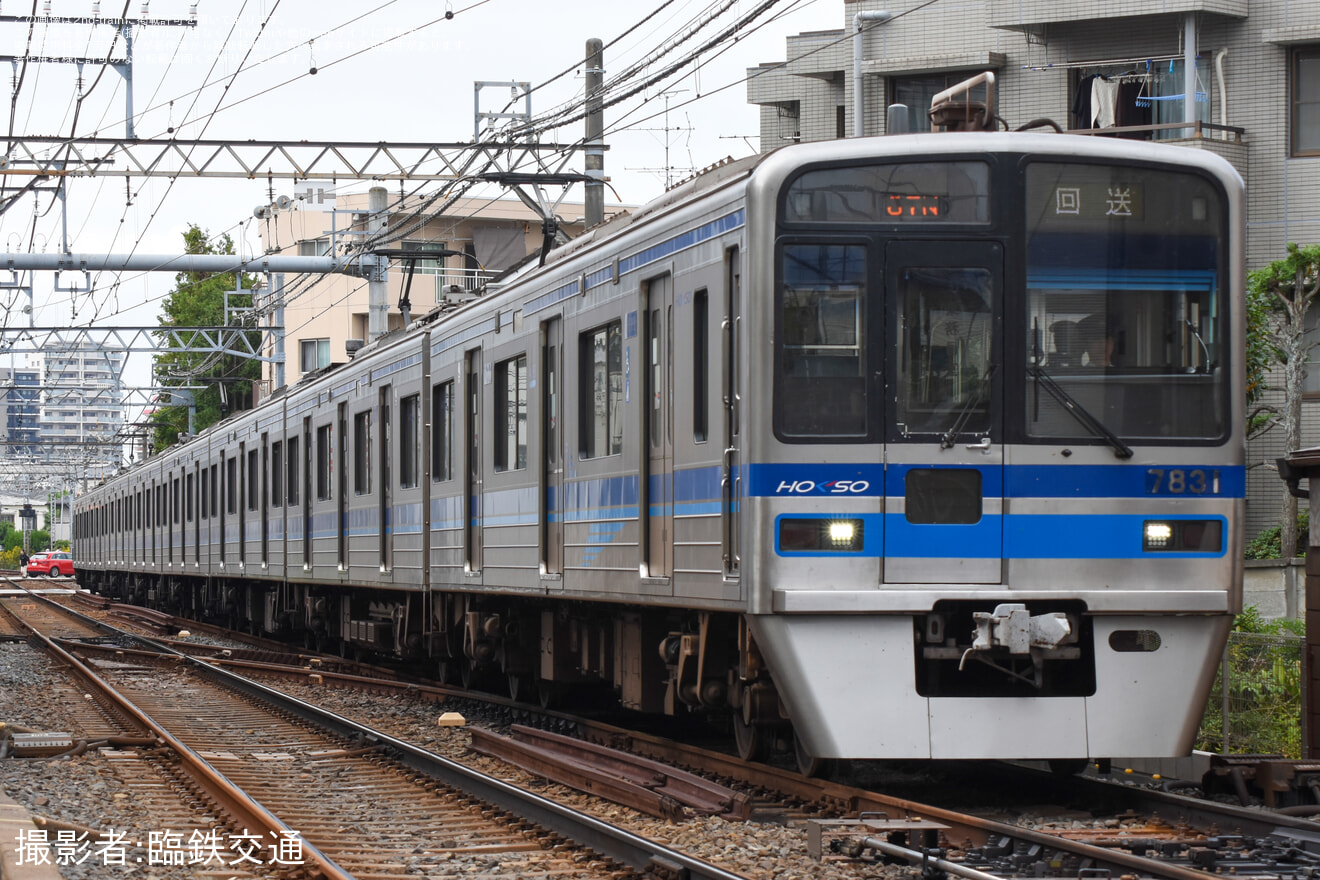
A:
{"x": 53, "y": 564}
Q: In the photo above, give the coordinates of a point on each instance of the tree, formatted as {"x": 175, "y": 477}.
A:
{"x": 198, "y": 300}
{"x": 1283, "y": 292}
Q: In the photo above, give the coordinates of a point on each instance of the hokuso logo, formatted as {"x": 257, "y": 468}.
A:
{"x": 811, "y": 487}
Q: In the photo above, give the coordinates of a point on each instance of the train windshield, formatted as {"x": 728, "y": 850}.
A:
{"x": 1125, "y": 312}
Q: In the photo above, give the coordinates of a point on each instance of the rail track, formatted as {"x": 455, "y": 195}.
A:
{"x": 1159, "y": 834}
{"x": 347, "y": 800}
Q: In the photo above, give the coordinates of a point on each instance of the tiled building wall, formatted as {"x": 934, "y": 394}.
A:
{"x": 1033, "y": 40}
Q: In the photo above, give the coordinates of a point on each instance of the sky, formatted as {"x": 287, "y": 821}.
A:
{"x": 386, "y": 70}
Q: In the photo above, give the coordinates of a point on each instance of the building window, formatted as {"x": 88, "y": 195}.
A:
{"x": 442, "y": 432}
{"x": 601, "y": 391}
{"x": 362, "y": 453}
{"x": 511, "y": 414}
{"x": 313, "y": 354}
{"x": 915, "y": 93}
{"x": 1306, "y": 101}
{"x": 427, "y": 267}
{"x": 324, "y": 463}
{"x": 314, "y": 247}
{"x": 410, "y": 415}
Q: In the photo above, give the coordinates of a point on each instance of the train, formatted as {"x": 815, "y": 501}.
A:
{"x": 927, "y": 446}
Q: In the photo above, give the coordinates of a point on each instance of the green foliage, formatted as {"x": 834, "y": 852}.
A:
{"x": 1267, "y": 545}
{"x": 40, "y": 540}
{"x": 198, "y": 300}
{"x": 1260, "y": 354}
{"x": 1264, "y": 689}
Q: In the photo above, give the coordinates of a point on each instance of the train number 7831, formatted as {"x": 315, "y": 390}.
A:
{"x": 1180, "y": 481}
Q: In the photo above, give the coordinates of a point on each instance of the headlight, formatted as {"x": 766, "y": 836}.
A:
{"x": 820, "y": 535}
{"x": 1183, "y": 535}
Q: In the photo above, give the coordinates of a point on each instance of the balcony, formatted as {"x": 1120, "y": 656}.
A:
{"x": 1222, "y": 140}
{"x": 1026, "y": 14}
{"x": 455, "y": 285}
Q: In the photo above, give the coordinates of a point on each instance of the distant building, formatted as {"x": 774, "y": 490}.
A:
{"x": 20, "y": 411}
{"x": 82, "y": 413}
{"x": 473, "y": 240}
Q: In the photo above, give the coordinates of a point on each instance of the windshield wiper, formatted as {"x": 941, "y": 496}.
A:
{"x": 948, "y": 438}
{"x": 1079, "y": 412}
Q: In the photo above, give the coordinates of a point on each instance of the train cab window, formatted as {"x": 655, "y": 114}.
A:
{"x": 442, "y": 431}
{"x": 946, "y": 328}
{"x": 511, "y": 414}
{"x": 1125, "y": 311}
{"x": 291, "y": 490}
{"x": 324, "y": 463}
{"x": 410, "y": 438}
{"x": 362, "y": 453}
{"x": 277, "y": 474}
{"x": 600, "y": 391}
{"x": 821, "y": 356}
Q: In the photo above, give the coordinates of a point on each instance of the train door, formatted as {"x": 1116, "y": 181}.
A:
{"x": 341, "y": 511}
{"x": 552, "y": 458}
{"x": 658, "y": 477}
{"x": 732, "y": 397}
{"x": 473, "y": 488}
{"x": 944, "y": 455}
{"x": 386, "y": 490}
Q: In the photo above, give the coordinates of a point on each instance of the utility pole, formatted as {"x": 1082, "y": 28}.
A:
{"x": 594, "y": 199}
{"x": 378, "y": 288}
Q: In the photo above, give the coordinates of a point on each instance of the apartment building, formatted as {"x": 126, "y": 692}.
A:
{"x": 1255, "y": 87}
{"x": 82, "y": 413}
{"x": 472, "y": 239}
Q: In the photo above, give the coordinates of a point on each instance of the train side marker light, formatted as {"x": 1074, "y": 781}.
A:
{"x": 451, "y": 719}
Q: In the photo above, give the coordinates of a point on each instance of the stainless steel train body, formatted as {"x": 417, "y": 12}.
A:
{"x": 930, "y": 446}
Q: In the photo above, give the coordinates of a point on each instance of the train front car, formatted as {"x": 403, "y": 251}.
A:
{"x": 997, "y": 497}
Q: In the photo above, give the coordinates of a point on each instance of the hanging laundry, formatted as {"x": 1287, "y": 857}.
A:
{"x": 1104, "y": 101}
{"x": 1130, "y": 110}
{"x": 1081, "y": 106}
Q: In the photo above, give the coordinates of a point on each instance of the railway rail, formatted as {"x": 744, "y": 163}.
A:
{"x": 357, "y": 802}
{"x": 1181, "y": 837}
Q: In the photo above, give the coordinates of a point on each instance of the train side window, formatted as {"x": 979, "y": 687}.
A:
{"x": 253, "y": 480}
{"x": 362, "y": 453}
{"x": 291, "y": 491}
{"x": 600, "y": 391}
{"x": 442, "y": 432}
{"x": 231, "y": 485}
{"x": 324, "y": 463}
{"x": 410, "y": 435}
{"x": 188, "y": 498}
{"x": 277, "y": 474}
{"x": 206, "y": 490}
{"x": 511, "y": 413}
{"x": 821, "y": 356}
{"x": 174, "y": 500}
{"x": 701, "y": 365}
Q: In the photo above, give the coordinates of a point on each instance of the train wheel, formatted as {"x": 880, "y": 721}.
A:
{"x": 447, "y": 670}
{"x": 467, "y": 673}
{"x": 749, "y": 738}
{"x": 519, "y": 686}
{"x": 547, "y": 693}
{"x": 807, "y": 763}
